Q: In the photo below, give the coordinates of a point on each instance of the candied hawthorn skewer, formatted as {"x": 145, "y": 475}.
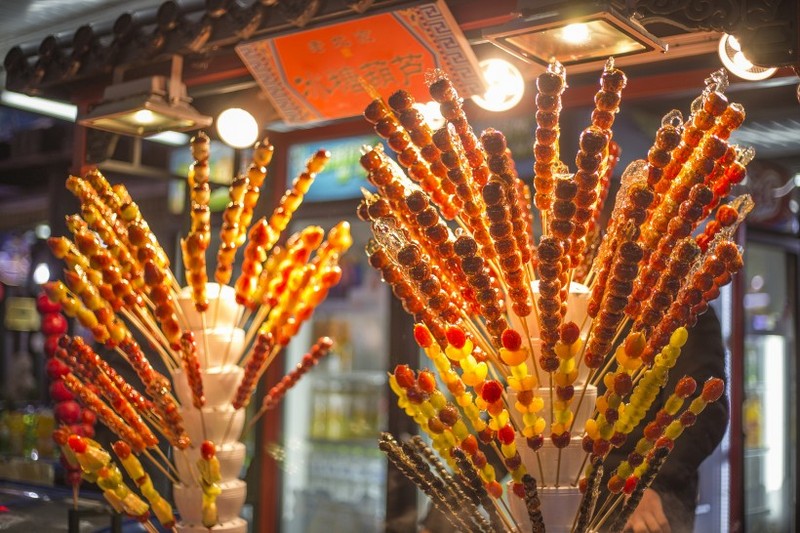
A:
{"x": 210, "y": 477}
{"x": 229, "y": 232}
{"x": 551, "y": 84}
{"x": 196, "y": 244}
{"x": 532, "y": 504}
{"x": 256, "y": 174}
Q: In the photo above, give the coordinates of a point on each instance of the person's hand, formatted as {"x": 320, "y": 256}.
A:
{"x": 649, "y": 515}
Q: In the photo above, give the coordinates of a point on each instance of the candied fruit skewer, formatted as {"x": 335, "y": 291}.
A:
{"x": 658, "y": 297}
{"x": 73, "y": 307}
{"x": 564, "y": 377}
{"x": 86, "y": 357}
{"x": 533, "y": 505}
{"x": 479, "y": 279}
{"x": 685, "y": 387}
{"x": 727, "y": 216}
{"x": 110, "y": 419}
{"x": 731, "y": 118}
{"x": 490, "y": 505}
{"x": 256, "y": 174}
{"x": 550, "y": 84}
{"x": 273, "y": 398}
{"x": 199, "y": 237}
{"x": 128, "y": 265}
{"x": 733, "y": 173}
{"x": 591, "y": 492}
{"x": 229, "y": 232}
{"x": 78, "y": 282}
{"x": 592, "y": 157}
{"x": 255, "y": 254}
{"x": 191, "y": 367}
{"x": 254, "y": 367}
{"x": 135, "y": 470}
{"x": 444, "y": 93}
{"x": 492, "y": 399}
{"x": 550, "y": 269}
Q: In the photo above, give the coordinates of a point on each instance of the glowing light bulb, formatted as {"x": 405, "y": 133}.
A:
{"x": 431, "y": 113}
{"x": 237, "y": 128}
{"x": 144, "y": 116}
{"x": 740, "y": 61}
{"x": 505, "y": 85}
{"x": 575, "y": 33}
{"x": 41, "y": 274}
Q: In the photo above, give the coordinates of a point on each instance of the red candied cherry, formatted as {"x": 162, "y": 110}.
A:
{"x": 618, "y": 439}
{"x": 713, "y": 389}
{"x": 583, "y": 484}
{"x": 685, "y": 387}
{"x": 511, "y": 340}
{"x": 587, "y": 444}
{"x": 535, "y": 442}
{"x": 663, "y": 418}
{"x": 469, "y": 445}
{"x": 448, "y": 415}
{"x": 612, "y": 415}
{"x": 688, "y": 418}
{"x": 404, "y": 376}
{"x": 726, "y": 215}
{"x": 506, "y": 434}
{"x": 652, "y": 431}
{"x": 423, "y": 336}
{"x": 564, "y": 393}
{"x": 630, "y": 484}
{"x": 308, "y": 361}
{"x": 518, "y": 489}
{"x": 56, "y": 368}
{"x": 479, "y": 459}
{"x": 60, "y": 436}
{"x": 122, "y": 449}
{"x": 426, "y": 381}
{"x": 491, "y": 391}
{"x": 569, "y": 332}
{"x": 207, "y": 450}
{"x": 77, "y": 443}
{"x": 456, "y": 337}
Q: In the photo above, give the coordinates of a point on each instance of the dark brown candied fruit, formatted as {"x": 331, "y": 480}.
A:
{"x": 496, "y": 213}
{"x": 362, "y": 212}
{"x": 690, "y": 210}
{"x": 589, "y": 162}
{"x": 714, "y": 147}
{"x": 487, "y": 296}
{"x": 371, "y": 161}
{"x": 544, "y": 152}
{"x": 692, "y": 135}
{"x": 586, "y": 180}
{"x": 442, "y": 90}
{"x": 516, "y": 278}
{"x": 450, "y": 160}
{"x": 510, "y": 262}
{"x": 548, "y": 102}
{"x": 422, "y": 137}
{"x": 550, "y": 83}
{"x": 602, "y": 119}
{"x": 427, "y": 217}
{"x": 615, "y": 304}
{"x": 563, "y": 209}
{"x": 472, "y": 265}
{"x": 379, "y": 259}
{"x": 668, "y": 137}
{"x": 443, "y": 140}
{"x": 715, "y": 103}
{"x": 549, "y": 289}
{"x": 679, "y": 228}
{"x": 593, "y": 140}
{"x": 493, "y": 193}
{"x": 660, "y": 300}
{"x": 547, "y": 119}
{"x": 385, "y": 127}
{"x": 658, "y": 157}
{"x": 450, "y": 110}
{"x": 585, "y": 198}
{"x": 439, "y": 302}
{"x": 499, "y": 230}
{"x": 416, "y": 201}
{"x": 409, "y": 255}
{"x": 379, "y": 209}
{"x": 701, "y": 194}
{"x": 546, "y": 136}
{"x": 398, "y": 141}
{"x": 687, "y": 250}
{"x": 421, "y": 270}
{"x": 565, "y": 189}
{"x": 550, "y": 270}
{"x": 549, "y": 250}
{"x": 607, "y": 100}
{"x": 613, "y": 80}
{"x": 411, "y": 119}
{"x": 641, "y": 195}
{"x": 625, "y": 271}
{"x": 727, "y": 252}
{"x": 561, "y": 229}
{"x": 465, "y": 246}
{"x": 375, "y": 111}
{"x": 407, "y": 157}
{"x": 437, "y": 234}
{"x": 631, "y": 252}
{"x": 498, "y": 164}
{"x": 493, "y": 141}
{"x": 401, "y": 100}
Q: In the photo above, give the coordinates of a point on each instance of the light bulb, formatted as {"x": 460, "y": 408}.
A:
{"x": 575, "y": 33}
{"x": 505, "y": 85}
{"x": 731, "y": 55}
{"x": 41, "y": 274}
{"x": 431, "y": 113}
{"x": 237, "y": 128}
{"x": 144, "y": 116}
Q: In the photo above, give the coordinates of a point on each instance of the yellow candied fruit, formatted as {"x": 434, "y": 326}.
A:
{"x": 625, "y": 470}
{"x": 437, "y": 399}
{"x": 632, "y": 364}
{"x": 564, "y": 417}
{"x": 678, "y": 337}
{"x": 449, "y": 439}
{"x": 601, "y": 404}
{"x": 567, "y": 366}
{"x": 427, "y": 409}
{"x": 643, "y": 446}
{"x": 513, "y": 358}
{"x": 509, "y": 450}
{"x": 460, "y": 430}
{"x": 557, "y": 428}
{"x": 519, "y": 371}
{"x": 536, "y": 405}
{"x": 563, "y": 379}
{"x": 591, "y": 428}
{"x": 608, "y": 380}
{"x": 575, "y": 347}
{"x": 464, "y": 401}
{"x": 488, "y": 474}
{"x": 673, "y": 404}
{"x": 518, "y": 473}
{"x": 562, "y": 350}
{"x": 697, "y": 405}
{"x": 634, "y": 345}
